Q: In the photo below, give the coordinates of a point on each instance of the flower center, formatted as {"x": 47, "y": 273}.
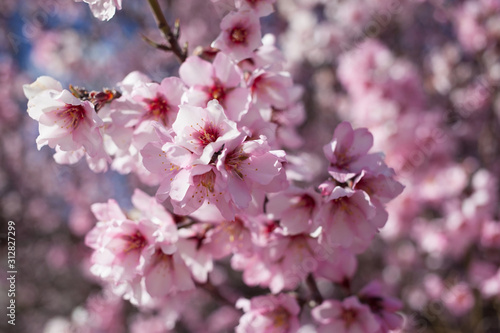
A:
{"x": 207, "y": 180}
{"x": 349, "y": 316}
{"x": 280, "y": 317}
{"x": 217, "y": 92}
{"x": 157, "y": 108}
{"x": 234, "y": 229}
{"x": 238, "y": 35}
{"x": 208, "y": 134}
{"x": 72, "y": 116}
{"x": 134, "y": 241}
{"x": 161, "y": 257}
{"x": 306, "y": 201}
{"x": 205, "y": 188}
{"x": 234, "y": 160}
{"x": 343, "y": 205}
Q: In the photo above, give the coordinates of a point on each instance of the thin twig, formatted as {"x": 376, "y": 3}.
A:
{"x": 170, "y": 36}
{"x": 316, "y": 295}
{"x": 156, "y": 45}
{"x": 215, "y": 293}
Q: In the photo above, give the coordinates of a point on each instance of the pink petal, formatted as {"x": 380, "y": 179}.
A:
{"x": 196, "y": 72}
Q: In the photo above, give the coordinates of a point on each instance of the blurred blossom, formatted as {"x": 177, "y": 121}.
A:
{"x": 318, "y": 165}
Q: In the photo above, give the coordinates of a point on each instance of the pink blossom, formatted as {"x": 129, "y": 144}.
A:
{"x": 144, "y": 109}
{"x": 347, "y": 152}
{"x": 430, "y": 236}
{"x": 247, "y": 166}
{"x": 348, "y": 316}
{"x": 460, "y": 232}
{"x": 41, "y": 84}
{"x": 229, "y": 237}
{"x": 194, "y": 253}
{"x": 383, "y": 307}
{"x": 267, "y": 56}
{"x": 280, "y": 264}
{"x": 151, "y": 325}
{"x": 104, "y": 10}
{"x": 240, "y": 35}
{"x": 150, "y": 209}
{"x": 295, "y": 209}
{"x": 459, "y": 299}
{"x": 336, "y": 263}
{"x": 159, "y": 102}
{"x": 380, "y": 185}
{"x": 434, "y": 286}
{"x": 381, "y": 188}
{"x": 146, "y": 259}
{"x": 270, "y": 88}
{"x": 101, "y": 313}
{"x": 65, "y": 122}
{"x": 472, "y": 33}
{"x": 490, "y": 234}
{"x": 221, "y": 80}
{"x": 304, "y": 167}
{"x": 119, "y": 245}
{"x": 347, "y": 217}
{"x": 167, "y": 313}
{"x": 269, "y": 314}
{"x": 258, "y": 123}
{"x": 491, "y": 286}
{"x": 166, "y": 161}
{"x": 480, "y": 271}
{"x": 108, "y": 211}
{"x": 204, "y": 131}
{"x": 200, "y": 185}
{"x": 165, "y": 272}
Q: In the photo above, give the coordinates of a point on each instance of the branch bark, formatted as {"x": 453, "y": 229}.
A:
{"x": 311, "y": 284}
{"x": 172, "y": 37}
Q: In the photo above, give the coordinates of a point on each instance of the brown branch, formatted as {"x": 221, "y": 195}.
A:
{"x": 311, "y": 284}
{"x": 172, "y": 37}
{"x": 215, "y": 293}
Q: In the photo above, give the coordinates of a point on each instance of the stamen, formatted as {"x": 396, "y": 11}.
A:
{"x": 72, "y": 116}
{"x": 238, "y": 35}
{"x": 157, "y": 108}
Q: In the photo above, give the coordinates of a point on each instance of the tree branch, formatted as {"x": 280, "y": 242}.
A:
{"x": 215, "y": 293}
{"x": 171, "y": 36}
{"x": 311, "y": 284}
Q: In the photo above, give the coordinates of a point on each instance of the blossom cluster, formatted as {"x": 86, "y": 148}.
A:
{"x": 216, "y": 142}
{"x": 421, "y": 76}
{"x": 434, "y": 113}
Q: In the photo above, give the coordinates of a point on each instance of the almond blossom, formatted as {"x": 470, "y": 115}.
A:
{"x": 348, "y": 316}
{"x": 240, "y": 35}
{"x": 383, "y": 307}
{"x": 249, "y": 166}
{"x": 270, "y": 88}
{"x": 295, "y": 209}
{"x": 104, "y": 10}
{"x": 348, "y": 218}
{"x": 219, "y": 144}
{"x": 220, "y": 80}
{"x": 142, "y": 257}
{"x": 269, "y": 314}
{"x": 348, "y": 152}
{"x": 160, "y": 102}
{"x": 204, "y": 131}
{"x": 280, "y": 264}
{"x": 65, "y": 122}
